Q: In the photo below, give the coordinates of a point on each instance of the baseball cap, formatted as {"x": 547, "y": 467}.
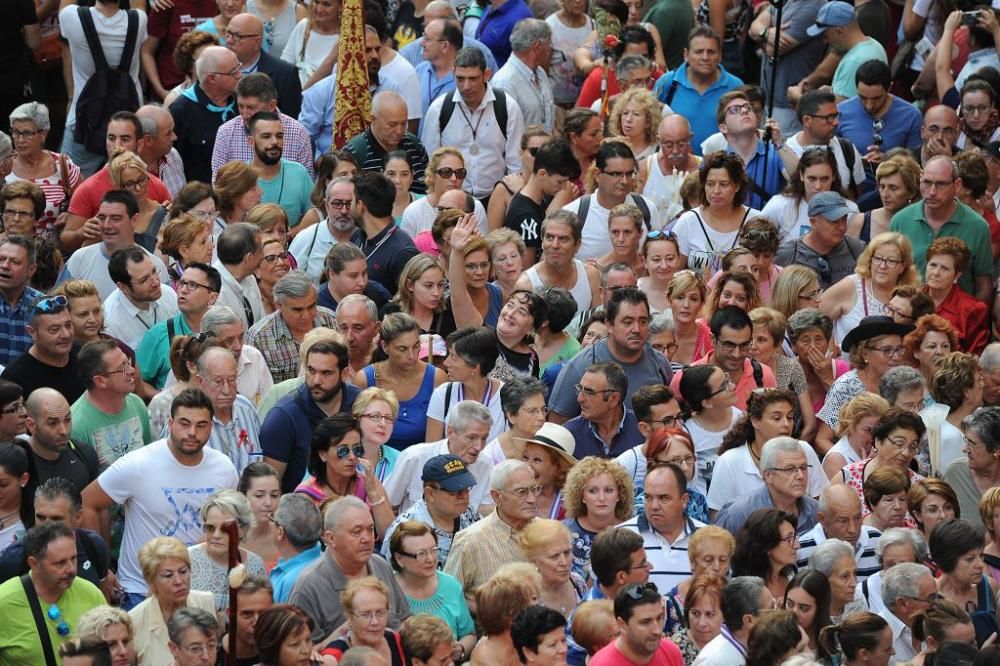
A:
{"x": 835, "y": 14}
{"x": 448, "y": 471}
{"x": 830, "y": 206}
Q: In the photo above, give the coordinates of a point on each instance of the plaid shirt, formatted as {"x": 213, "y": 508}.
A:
{"x": 280, "y": 349}
{"x": 482, "y": 548}
{"x": 171, "y": 171}
{"x": 14, "y": 338}
{"x": 232, "y": 145}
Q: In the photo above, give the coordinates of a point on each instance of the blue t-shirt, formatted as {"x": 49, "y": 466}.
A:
{"x": 698, "y": 108}
{"x": 900, "y": 127}
{"x": 290, "y": 189}
{"x": 756, "y": 173}
{"x": 411, "y": 422}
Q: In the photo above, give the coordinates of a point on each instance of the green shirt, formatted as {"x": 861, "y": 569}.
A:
{"x": 673, "y": 20}
{"x": 843, "y": 78}
{"x": 290, "y": 189}
{"x": 111, "y": 435}
{"x": 153, "y": 354}
{"x": 965, "y": 224}
{"x": 19, "y": 643}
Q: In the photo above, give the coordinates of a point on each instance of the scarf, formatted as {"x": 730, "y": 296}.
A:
{"x": 980, "y": 137}
{"x": 227, "y": 112}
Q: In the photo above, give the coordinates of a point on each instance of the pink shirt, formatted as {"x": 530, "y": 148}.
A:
{"x": 745, "y": 385}
{"x": 667, "y": 654}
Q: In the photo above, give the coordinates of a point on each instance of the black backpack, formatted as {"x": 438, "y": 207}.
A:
{"x": 499, "y": 111}
{"x": 108, "y": 90}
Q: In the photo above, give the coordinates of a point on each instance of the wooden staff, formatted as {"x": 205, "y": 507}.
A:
{"x": 232, "y": 530}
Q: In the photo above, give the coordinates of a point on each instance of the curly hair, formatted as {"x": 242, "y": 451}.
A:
{"x": 649, "y": 105}
{"x": 742, "y": 432}
{"x": 953, "y": 247}
{"x": 745, "y": 280}
{"x": 187, "y": 46}
{"x": 760, "y": 534}
{"x": 733, "y": 165}
{"x": 957, "y": 373}
{"x": 860, "y": 406}
{"x": 898, "y": 241}
{"x": 926, "y": 324}
{"x": 587, "y": 469}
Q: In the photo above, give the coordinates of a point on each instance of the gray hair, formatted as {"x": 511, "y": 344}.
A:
{"x": 55, "y": 487}
{"x": 662, "y": 322}
{"x": 150, "y": 126}
{"x": 630, "y": 62}
{"x": 989, "y": 360}
{"x": 902, "y": 580}
{"x": 359, "y": 655}
{"x": 985, "y": 422}
{"x": 468, "y": 412}
{"x": 613, "y": 267}
{"x": 339, "y": 180}
{"x": 218, "y": 316}
{"x": 501, "y": 473}
{"x": 775, "y": 446}
{"x": 516, "y": 392}
{"x": 826, "y": 555}
{"x": 294, "y": 284}
{"x": 801, "y": 321}
{"x": 470, "y": 56}
{"x": 209, "y": 353}
{"x": 299, "y": 517}
{"x": 369, "y": 304}
{"x": 527, "y": 32}
{"x": 615, "y": 377}
{"x": 190, "y": 617}
{"x": 897, "y": 536}
{"x": 208, "y": 61}
{"x": 899, "y": 380}
{"x": 231, "y": 502}
{"x": 740, "y": 597}
{"x": 32, "y": 112}
{"x": 442, "y": 4}
{"x": 335, "y": 511}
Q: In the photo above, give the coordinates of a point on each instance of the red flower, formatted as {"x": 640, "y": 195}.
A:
{"x": 610, "y": 41}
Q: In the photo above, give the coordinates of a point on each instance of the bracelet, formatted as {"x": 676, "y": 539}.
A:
{"x": 378, "y": 503}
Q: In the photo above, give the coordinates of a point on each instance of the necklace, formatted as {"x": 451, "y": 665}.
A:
{"x": 4, "y": 519}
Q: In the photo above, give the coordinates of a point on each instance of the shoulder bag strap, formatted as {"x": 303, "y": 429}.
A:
{"x": 36, "y": 611}
{"x": 738, "y": 230}
{"x": 447, "y": 400}
{"x": 640, "y": 203}
{"x": 704, "y": 231}
{"x": 64, "y": 177}
{"x": 864, "y": 296}
{"x": 583, "y": 210}
{"x": 671, "y": 90}
{"x": 305, "y": 41}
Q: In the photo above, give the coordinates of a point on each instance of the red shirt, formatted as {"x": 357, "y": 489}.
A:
{"x": 87, "y": 199}
{"x": 590, "y": 91}
{"x": 969, "y": 317}
{"x": 168, "y": 25}
{"x": 667, "y": 654}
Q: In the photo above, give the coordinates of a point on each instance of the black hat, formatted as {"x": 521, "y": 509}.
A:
{"x": 448, "y": 471}
{"x": 872, "y": 327}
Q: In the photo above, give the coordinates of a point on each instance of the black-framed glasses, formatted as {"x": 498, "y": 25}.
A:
{"x": 730, "y": 347}
{"x": 191, "y": 285}
{"x": 339, "y": 204}
{"x": 637, "y": 591}
{"x": 888, "y": 262}
{"x": 237, "y": 37}
{"x": 448, "y": 172}
{"x": 618, "y": 175}
{"x": 829, "y": 118}
{"x": 25, "y": 134}
{"x": 896, "y": 313}
{"x": 668, "y": 421}
{"x": 728, "y": 385}
{"x": 271, "y": 258}
{"x": 739, "y": 109}
{"x": 344, "y": 450}
{"x": 792, "y": 470}
{"x": 134, "y": 185}
{"x": 13, "y": 409}
{"x": 50, "y": 304}
{"x": 888, "y": 352}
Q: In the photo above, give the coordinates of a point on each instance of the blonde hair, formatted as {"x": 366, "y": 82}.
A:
{"x": 430, "y": 173}
{"x": 266, "y": 216}
{"x": 95, "y": 622}
{"x": 157, "y": 551}
{"x": 502, "y": 236}
{"x": 898, "y": 241}
{"x": 318, "y": 334}
{"x": 504, "y": 595}
{"x": 685, "y": 281}
{"x": 989, "y": 503}
{"x": 790, "y": 283}
{"x": 357, "y": 585}
{"x": 774, "y": 321}
{"x": 182, "y": 231}
{"x": 648, "y": 104}
{"x": 370, "y": 395}
{"x": 540, "y": 533}
{"x": 630, "y": 211}
{"x": 907, "y": 169}
{"x": 861, "y": 406}
{"x": 76, "y": 289}
{"x": 414, "y": 268}
{"x": 709, "y": 533}
{"x": 587, "y": 469}
{"x": 125, "y": 160}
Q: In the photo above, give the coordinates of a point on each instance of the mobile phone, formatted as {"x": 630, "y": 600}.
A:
{"x": 969, "y": 18}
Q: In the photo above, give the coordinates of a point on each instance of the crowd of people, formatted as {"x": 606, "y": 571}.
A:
{"x": 625, "y": 333}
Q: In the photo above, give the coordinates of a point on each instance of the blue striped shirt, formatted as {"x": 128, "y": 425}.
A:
{"x": 14, "y": 338}
{"x": 668, "y": 561}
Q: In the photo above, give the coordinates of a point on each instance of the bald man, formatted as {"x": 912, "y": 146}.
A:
{"x": 442, "y": 9}
{"x": 49, "y": 423}
{"x": 938, "y": 133}
{"x": 839, "y": 517}
{"x": 675, "y": 136}
{"x": 386, "y": 133}
{"x": 156, "y": 147}
{"x": 244, "y": 37}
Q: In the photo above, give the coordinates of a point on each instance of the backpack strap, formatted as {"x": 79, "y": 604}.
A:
{"x": 447, "y": 400}
{"x": 671, "y": 91}
{"x": 447, "y": 109}
{"x": 581, "y": 213}
{"x": 171, "y": 331}
{"x": 640, "y": 203}
{"x": 850, "y": 155}
{"x": 130, "y": 39}
{"x": 93, "y": 41}
{"x": 36, "y": 611}
{"x": 500, "y": 110}
{"x": 864, "y": 590}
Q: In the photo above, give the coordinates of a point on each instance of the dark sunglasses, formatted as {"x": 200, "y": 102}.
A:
{"x": 344, "y": 450}
{"x": 637, "y": 591}
{"x": 50, "y": 304}
{"x": 448, "y": 172}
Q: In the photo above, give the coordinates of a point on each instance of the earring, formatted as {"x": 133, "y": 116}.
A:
{"x": 322, "y": 459}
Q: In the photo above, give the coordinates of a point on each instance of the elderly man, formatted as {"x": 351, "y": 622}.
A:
{"x": 358, "y": 321}
{"x": 938, "y": 133}
{"x": 310, "y": 247}
{"x": 605, "y": 427}
{"x": 49, "y": 422}
{"x": 140, "y": 301}
{"x": 940, "y": 214}
{"x": 523, "y": 76}
{"x": 156, "y": 147}
{"x": 288, "y": 426}
{"x": 299, "y": 526}
{"x": 240, "y": 253}
{"x": 907, "y": 589}
{"x": 826, "y": 248}
{"x": 440, "y": 45}
{"x": 17, "y": 297}
{"x": 245, "y": 37}
{"x": 743, "y": 599}
{"x": 235, "y": 424}
{"x": 256, "y": 92}
{"x": 632, "y": 70}
{"x": 387, "y": 132}
{"x": 989, "y": 362}
{"x": 895, "y": 545}
{"x": 838, "y": 516}
{"x": 281, "y": 181}
{"x": 664, "y": 528}
{"x": 661, "y": 176}
{"x": 253, "y": 376}
{"x": 479, "y": 550}
{"x": 786, "y": 472}
{"x": 279, "y": 334}
{"x": 349, "y": 535}
{"x": 469, "y": 424}
{"x": 204, "y": 107}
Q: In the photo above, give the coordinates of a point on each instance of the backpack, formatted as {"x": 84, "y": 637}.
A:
{"x": 107, "y": 91}
{"x": 636, "y": 198}
{"x": 499, "y": 111}
{"x": 984, "y": 618}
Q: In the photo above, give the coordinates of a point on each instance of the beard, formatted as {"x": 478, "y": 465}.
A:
{"x": 267, "y": 156}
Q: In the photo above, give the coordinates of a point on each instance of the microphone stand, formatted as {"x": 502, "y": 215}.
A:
{"x": 779, "y": 5}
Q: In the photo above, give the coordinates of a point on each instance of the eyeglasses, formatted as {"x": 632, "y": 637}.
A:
{"x": 811, "y": 295}
{"x": 203, "y": 214}
{"x": 339, "y": 204}
{"x": 191, "y": 285}
{"x": 975, "y": 110}
{"x": 368, "y": 616}
{"x": 234, "y": 72}
{"x": 236, "y": 37}
{"x": 123, "y": 369}
{"x": 929, "y": 600}
{"x": 378, "y": 418}
{"x": 17, "y": 407}
{"x": 730, "y": 347}
{"x": 637, "y": 591}
{"x": 618, "y": 175}
{"x": 903, "y": 445}
{"x": 522, "y": 493}
{"x": 886, "y": 261}
{"x": 792, "y": 539}
{"x": 429, "y": 554}
{"x": 198, "y": 649}
{"x": 344, "y": 450}
{"x": 54, "y": 614}
{"x": 25, "y": 134}
{"x": 18, "y": 214}
{"x": 793, "y": 470}
{"x": 271, "y": 258}
{"x": 738, "y": 109}
{"x": 972, "y": 445}
{"x": 668, "y": 421}
{"x": 535, "y": 411}
{"x": 935, "y": 184}
{"x": 671, "y": 146}
{"x": 136, "y": 184}
{"x": 481, "y": 266}
{"x": 448, "y": 172}
{"x": 896, "y": 313}
{"x": 728, "y": 385}
{"x": 684, "y": 462}
{"x": 829, "y": 118}
{"x": 50, "y": 305}
{"x": 589, "y": 392}
{"x": 646, "y": 82}
{"x": 889, "y": 352}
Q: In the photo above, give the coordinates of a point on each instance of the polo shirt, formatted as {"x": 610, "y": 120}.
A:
{"x": 387, "y": 253}
{"x": 669, "y": 563}
{"x": 197, "y": 120}
{"x": 286, "y": 434}
{"x": 723, "y": 650}
{"x": 589, "y": 443}
{"x": 697, "y": 107}
{"x": 733, "y": 515}
{"x": 286, "y": 572}
{"x": 153, "y": 354}
{"x": 864, "y": 550}
{"x": 965, "y": 224}
{"x": 405, "y": 486}
{"x": 736, "y": 473}
{"x": 290, "y": 189}
{"x": 371, "y": 154}
{"x": 496, "y": 25}
{"x": 125, "y": 321}
{"x": 756, "y": 198}
{"x": 744, "y": 386}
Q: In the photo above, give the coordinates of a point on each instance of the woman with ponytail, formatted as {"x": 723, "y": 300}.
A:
{"x": 770, "y": 413}
{"x": 940, "y": 622}
{"x": 864, "y": 639}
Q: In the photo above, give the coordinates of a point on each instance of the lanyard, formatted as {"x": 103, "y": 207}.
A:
{"x": 486, "y": 394}
{"x": 732, "y": 639}
{"x": 381, "y": 242}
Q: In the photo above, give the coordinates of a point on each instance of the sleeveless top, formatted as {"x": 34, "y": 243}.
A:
{"x": 865, "y": 304}
{"x": 277, "y": 31}
{"x": 312, "y": 489}
{"x": 866, "y": 228}
{"x": 580, "y": 291}
{"x": 844, "y": 448}
{"x": 411, "y": 422}
{"x": 663, "y": 189}
{"x": 494, "y": 306}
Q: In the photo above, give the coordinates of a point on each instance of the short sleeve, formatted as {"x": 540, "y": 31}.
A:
{"x": 117, "y": 480}
{"x": 682, "y": 229}
{"x": 435, "y": 409}
{"x": 277, "y": 435}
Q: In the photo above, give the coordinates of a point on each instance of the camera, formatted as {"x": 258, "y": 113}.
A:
{"x": 969, "y": 18}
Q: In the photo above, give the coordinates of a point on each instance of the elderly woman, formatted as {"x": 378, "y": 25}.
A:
{"x": 522, "y": 400}
{"x": 446, "y": 171}
{"x": 875, "y": 345}
{"x": 499, "y": 600}
{"x": 930, "y": 502}
{"x": 625, "y": 229}
{"x": 947, "y": 260}
{"x": 376, "y": 410}
{"x": 885, "y": 264}
{"x": 636, "y": 116}
{"x": 661, "y": 333}
{"x": 366, "y": 604}
{"x": 979, "y": 471}
{"x": 898, "y": 180}
{"x": 312, "y": 40}
{"x": 56, "y": 174}
{"x": 765, "y": 547}
{"x": 210, "y": 558}
{"x": 282, "y": 635}
{"x": 957, "y": 548}
{"x": 275, "y": 264}
{"x": 472, "y": 355}
{"x": 659, "y": 256}
{"x": 539, "y": 636}
{"x": 112, "y": 626}
{"x": 547, "y": 544}
{"x": 686, "y": 295}
{"x": 710, "y": 551}
{"x": 857, "y": 420}
{"x": 908, "y": 304}
{"x": 166, "y": 567}
{"x": 421, "y": 293}
{"x": 597, "y": 495}
{"x": 414, "y": 553}
{"x": 769, "y": 328}
{"x": 237, "y": 191}
{"x": 549, "y": 453}
{"x": 885, "y": 493}
{"x": 184, "y": 353}
{"x": 809, "y": 334}
{"x": 261, "y": 485}
{"x": 507, "y": 252}
{"x": 127, "y": 172}
{"x": 702, "y": 615}
{"x": 958, "y": 383}
{"x": 896, "y": 545}
{"x": 808, "y": 598}
{"x": 592, "y": 627}
{"x": 835, "y": 559}
{"x": 928, "y": 344}
{"x": 904, "y": 387}
{"x": 184, "y": 240}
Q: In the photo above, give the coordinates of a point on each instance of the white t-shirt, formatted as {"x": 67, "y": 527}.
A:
{"x": 596, "y": 239}
{"x": 317, "y": 49}
{"x": 161, "y": 497}
{"x": 400, "y": 75}
{"x": 719, "y": 652}
{"x": 703, "y": 247}
{"x": 436, "y": 408}
{"x": 91, "y": 263}
{"x": 111, "y": 32}
{"x": 736, "y": 475}
{"x": 404, "y": 485}
{"x": 706, "y": 450}
{"x": 849, "y": 173}
{"x": 419, "y": 215}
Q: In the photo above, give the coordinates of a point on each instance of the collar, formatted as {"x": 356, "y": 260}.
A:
{"x": 503, "y": 8}
{"x": 898, "y": 627}
{"x": 499, "y": 525}
{"x": 524, "y": 70}
{"x": 727, "y": 636}
{"x": 643, "y": 524}
{"x": 281, "y": 330}
{"x": 389, "y": 228}
{"x": 621, "y": 426}
{"x": 27, "y": 297}
{"x": 487, "y": 98}
{"x": 252, "y": 67}
{"x": 307, "y": 555}
{"x": 129, "y": 307}
{"x": 682, "y": 78}
{"x": 982, "y": 53}
{"x": 198, "y": 96}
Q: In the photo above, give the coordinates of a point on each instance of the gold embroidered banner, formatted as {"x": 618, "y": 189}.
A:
{"x": 352, "y": 99}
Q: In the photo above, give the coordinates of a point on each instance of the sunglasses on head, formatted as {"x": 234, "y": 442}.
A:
{"x": 659, "y": 234}
{"x": 51, "y": 304}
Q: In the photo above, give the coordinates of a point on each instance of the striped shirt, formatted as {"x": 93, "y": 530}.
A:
{"x": 171, "y": 172}
{"x": 480, "y": 549}
{"x": 231, "y": 144}
{"x": 864, "y": 551}
{"x": 371, "y": 156}
{"x": 14, "y": 338}
{"x": 55, "y": 193}
{"x": 280, "y": 349}
{"x": 238, "y": 440}
{"x": 668, "y": 561}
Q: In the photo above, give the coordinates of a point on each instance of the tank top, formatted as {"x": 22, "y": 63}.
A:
{"x": 580, "y": 291}
{"x": 865, "y": 305}
{"x": 278, "y": 30}
{"x": 411, "y": 422}
{"x": 663, "y": 190}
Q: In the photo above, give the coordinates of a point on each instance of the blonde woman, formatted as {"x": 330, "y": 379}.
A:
{"x": 989, "y": 514}
{"x": 796, "y": 288}
{"x": 507, "y": 252}
{"x": 598, "y": 494}
{"x": 898, "y": 181}
{"x": 376, "y": 410}
{"x": 636, "y": 116}
{"x": 686, "y": 294}
{"x": 366, "y": 604}
{"x": 511, "y": 589}
{"x": 548, "y": 545}
{"x": 184, "y": 240}
{"x": 237, "y": 191}
{"x": 113, "y": 626}
{"x": 421, "y": 294}
{"x": 127, "y": 172}
{"x": 625, "y": 229}
{"x": 857, "y": 419}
